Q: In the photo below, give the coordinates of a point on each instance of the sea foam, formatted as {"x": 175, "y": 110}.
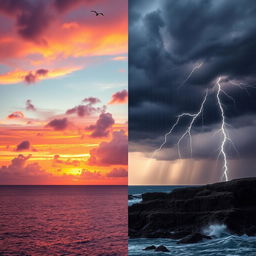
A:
{"x": 215, "y": 230}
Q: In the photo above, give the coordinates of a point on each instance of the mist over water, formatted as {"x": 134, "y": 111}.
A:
{"x": 63, "y": 220}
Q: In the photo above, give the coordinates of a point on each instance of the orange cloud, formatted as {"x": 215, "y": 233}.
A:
{"x": 18, "y": 76}
{"x": 119, "y": 58}
{"x": 48, "y": 38}
{"x": 80, "y": 40}
{"x": 70, "y": 25}
{"x": 16, "y": 115}
{"x": 85, "y": 40}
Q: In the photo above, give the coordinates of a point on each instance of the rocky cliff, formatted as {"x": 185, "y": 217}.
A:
{"x": 185, "y": 211}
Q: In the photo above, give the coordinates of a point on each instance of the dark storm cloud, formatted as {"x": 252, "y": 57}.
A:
{"x": 166, "y": 41}
{"x": 206, "y": 145}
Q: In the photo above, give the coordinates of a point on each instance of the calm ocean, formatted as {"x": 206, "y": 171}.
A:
{"x": 63, "y": 220}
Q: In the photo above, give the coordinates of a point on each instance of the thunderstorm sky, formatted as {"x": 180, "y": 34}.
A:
{"x": 167, "y": 40}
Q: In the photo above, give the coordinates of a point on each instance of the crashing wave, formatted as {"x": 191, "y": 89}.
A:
{"x": 215, "y": 230}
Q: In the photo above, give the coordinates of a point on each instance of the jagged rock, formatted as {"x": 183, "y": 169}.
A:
{"x": 178, "y": 234}
{"x": 187, "y": 210}
{"x": 148, "y": 248}
{"x": 251, "y": 231}
{"x": 130, "y": 197}
{"x": 193, "y": 238}
{"x": 161, "y": 248}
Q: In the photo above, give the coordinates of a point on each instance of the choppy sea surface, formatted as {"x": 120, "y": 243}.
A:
{"x": 137, "y": 191}
{"x": 63, "y": 220}
{"x": 223, "y": 243}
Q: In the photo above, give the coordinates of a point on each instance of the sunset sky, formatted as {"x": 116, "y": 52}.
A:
{"x": 63, "y": 87}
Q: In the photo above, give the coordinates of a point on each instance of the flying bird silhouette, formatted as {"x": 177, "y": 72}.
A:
{"x": 98, "y": 13}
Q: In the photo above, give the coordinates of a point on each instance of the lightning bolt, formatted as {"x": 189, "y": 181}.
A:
{"x": 194, "y": 117}
{"x": 243, "y": 86}
{"x": 225, "y": 137}
{"x": 223, "y": 130}
{"x": 197, "y": 66}
{"x": 188, "y": 131}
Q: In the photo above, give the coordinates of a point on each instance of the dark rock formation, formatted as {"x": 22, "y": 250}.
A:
{"x": 148, "y": 248}
{"x": 193, "y": 238}
{"x": 130, "y": 197}
{"x": 187, "y": 210}
{"x": 161, "y": 248}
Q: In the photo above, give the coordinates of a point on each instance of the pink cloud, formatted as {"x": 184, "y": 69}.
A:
{"x": 33, "y": 77}
{"x": 114, "y": 152}
{"x": 58, "y": 124}
{"x": 88, "y": 175}
{"x": 57, "y": 160}
{"x": 92, "y": 100}
{"x": 119, "y": 97}
{"x": 24, "y": 145}
{"x": 16, "y": 115}
{"x": 30, "y": 106}
{"x": 86, "y": 110}
{"x": 65, "y": 5}
{"x": 102, "y": 126}
{"x": 32, "y": 18}
{"x": 118, "y": 172}
{"x": 19, "y": 172}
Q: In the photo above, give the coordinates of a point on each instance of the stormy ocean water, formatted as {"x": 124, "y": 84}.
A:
{"x": 223, "y": 243}
{"x": 63, "y": 220}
